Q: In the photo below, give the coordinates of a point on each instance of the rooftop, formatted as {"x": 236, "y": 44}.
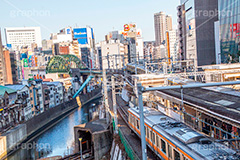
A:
{"x": 225, "y": 104}
{"x": 4, "y": 89}
{"x": 94, "y": 126}
{"x": 16, "y": 87}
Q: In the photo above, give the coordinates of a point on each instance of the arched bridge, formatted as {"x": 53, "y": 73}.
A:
{"x": 64, "y": 63}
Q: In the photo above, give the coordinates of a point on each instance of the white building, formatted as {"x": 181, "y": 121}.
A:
{"x": 173, "y": 44}
{"x": 23, "y": 36}
{"x": 65, "y": 35}
{"x": 139, "y": 47}
{"x": 114, "y": 50}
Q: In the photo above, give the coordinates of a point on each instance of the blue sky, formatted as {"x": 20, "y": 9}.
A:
{"x": 102, "y": 15}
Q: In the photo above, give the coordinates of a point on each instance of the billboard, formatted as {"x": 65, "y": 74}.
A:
{"x": 92, "y": 33}
{"x": 130, "y": 30}
{"x": 83, "y": 41}
{"x": 80, "y": 33}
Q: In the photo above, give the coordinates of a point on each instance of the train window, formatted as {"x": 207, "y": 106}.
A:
{"x": 153, "y": 138}
{"x": 169, "y": 151}
{"x": 176, "y": 155}
{"x": 157, "y": 141}
{"x": 163, "y": 144}
{"x": 137, "y": 124}
{"x": 147, "y": 132}
{"x": 150, "y": 134}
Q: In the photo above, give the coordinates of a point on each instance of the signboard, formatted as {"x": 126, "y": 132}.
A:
{"x": 68, "y": 30}
{"x": 9, "y": 46}
{"x": 130, "y": 30}
{"x": 92, "y": 33}
{"x": 25, "y": 62}
{"x": 80, "y": 33}
{"x": 126, "y": 28}
{"x": 83, "y": 41}
{"x": 235, "y": 30}
{"x": 36, "y": 61}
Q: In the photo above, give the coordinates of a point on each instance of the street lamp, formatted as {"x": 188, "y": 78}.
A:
{"x": 80, "y": 139}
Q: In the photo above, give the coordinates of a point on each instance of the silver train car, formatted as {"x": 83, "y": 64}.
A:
{"x": 172, "y": 140}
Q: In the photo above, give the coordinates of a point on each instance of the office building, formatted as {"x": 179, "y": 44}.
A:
{"x": 86, "y": 40}
{"x": 199, "y": 39}
{"x": 17, "y": 37}
{"x": 181, "y": 32}
{"x": 3, "y": 76}
{"x": 229, "y": 28}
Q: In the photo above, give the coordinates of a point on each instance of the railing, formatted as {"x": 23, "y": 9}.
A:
{"x": 131, "y": 154}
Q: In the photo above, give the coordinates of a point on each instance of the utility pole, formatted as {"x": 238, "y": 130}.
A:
{"x": 114, "y": 104}
{"x": 142, "y": 128}
{"x": 105, "y": 94}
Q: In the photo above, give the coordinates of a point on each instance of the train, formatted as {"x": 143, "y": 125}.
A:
{"x": 172, "y": 140}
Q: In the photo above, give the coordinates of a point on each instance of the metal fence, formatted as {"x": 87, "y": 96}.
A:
{"x": 131, "y": 154}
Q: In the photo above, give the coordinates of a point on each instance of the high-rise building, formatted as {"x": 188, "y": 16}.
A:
{"x": 199, "y": 38}
{"x": 229, "y": 31}
{"x": 162, "y": 23}
{"x": 181, "y": 32}
{"x": 17, "y": 37}
{"x": 2, "y": 63}
{"x": 168, "y": 23}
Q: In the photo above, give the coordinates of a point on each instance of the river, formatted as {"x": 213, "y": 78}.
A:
{"x": 58, "y": 140}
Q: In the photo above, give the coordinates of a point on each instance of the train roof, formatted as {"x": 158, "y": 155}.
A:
{"x": 183, "y": 136}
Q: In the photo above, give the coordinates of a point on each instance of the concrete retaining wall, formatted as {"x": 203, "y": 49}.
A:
{"x": 9, "y": 139}
{"x": 102, "y": 143}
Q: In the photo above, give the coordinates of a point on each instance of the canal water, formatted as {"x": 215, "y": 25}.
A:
{"x": 58, "y": 140}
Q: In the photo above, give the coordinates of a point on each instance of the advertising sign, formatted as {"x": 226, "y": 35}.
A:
{"x": 235, "y": 30}
{"x": 83, "y": 41}
{"x": 25, "y": 62}
{"x": 68, "y": 31}
{"x": 126, "y": 28}
{"x": 36, "y": 61}
{"x": 130, "y": 30}
{"x": 92, "y": 33}
{"x": 9, "y": 46}
{"x": 80, "y": 33}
